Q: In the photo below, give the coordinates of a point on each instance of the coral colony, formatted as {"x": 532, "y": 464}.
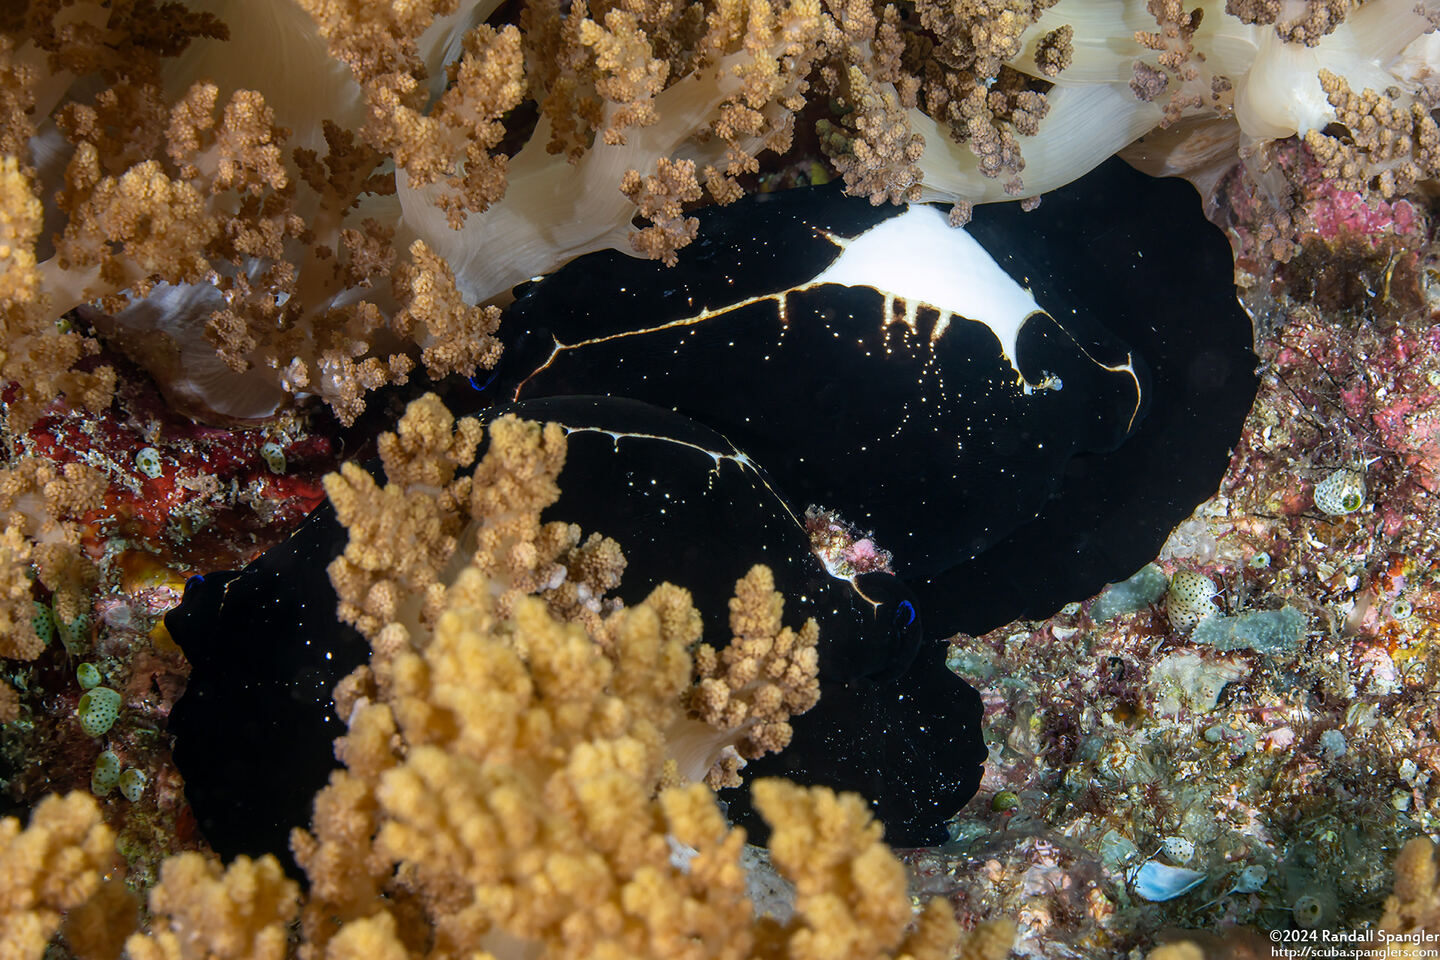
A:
{"x": 620, "y": 479}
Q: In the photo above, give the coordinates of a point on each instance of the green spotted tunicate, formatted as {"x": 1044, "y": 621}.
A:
{"x": 44, "y": 623}
{"x": 274, "y": 456}
{"x": 106, "y": 773}
{"x": 75, "y": 634}
{"x": 89, "y": 676}
{"x": 147, "y": 461}
{"x": 97, "y": 711}
{"x": 132, "y": 784}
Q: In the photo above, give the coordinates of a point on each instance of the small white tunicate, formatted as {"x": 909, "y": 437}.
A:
{"x": 1332, "y": 744}
{"x": 1251, "y": 879}
{"x": 1307, "y": 911}
{"x": 1340, "y": 493}
{"x": 274, "y": 456}
{"x": 1178, "y": 849}
{"x": 1189, "y": 599}
{"x": 120, "y": 616}
{"x": 147, "y": 461}
{"x": 1361, "y": 714}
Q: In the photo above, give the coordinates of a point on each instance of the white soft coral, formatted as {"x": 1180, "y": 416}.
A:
{"x": 1221, "y": 67}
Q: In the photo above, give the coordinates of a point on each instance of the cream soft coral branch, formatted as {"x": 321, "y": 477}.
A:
{"x": 403, "y": 534}
{"x": 240, "y": 912}
{"x": 18, "y": 638}
{"x": 134, "y": 228}
{"x": 629, "y": 75}
{"x": 524, "y": 815}
{"x": 114, "y": 211}
{"x": 452, "y": 142}
{"x": 62, "y": 42}
{"x": 1134, "y": 65}
{"x": 1278, "y": 89}
{"x": 274, "y": 45}
{"x": 851, "y": 894}
{"x": 1393, "y": 146}
{"x": 225, "y": 212}
{"x": 284, "y": 300}
{"x": 415, "y": 533}
{"x": 516, "y": 759}
{"x": 659, "y": 199}
{"x": 745, "y": 693}
{"x": 735, "y": 102}
{"x": 488, "y": 82}
{"x": 398, "y": 542}
{"x": 43, "y": 501}
{"x": 53, "y": 865}
{"x": 522, "y": 807}
{"x": 20, "y": 218}
{"x": 502, "y": 796}
{"x": 392, "y": 51}
{"x": 880, "y": 162}
{"x": 454, "y": 337}
{"x": 35, "y": 354}
{"x": 1085, "y": 125}
{"x": 555, "y": 211}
